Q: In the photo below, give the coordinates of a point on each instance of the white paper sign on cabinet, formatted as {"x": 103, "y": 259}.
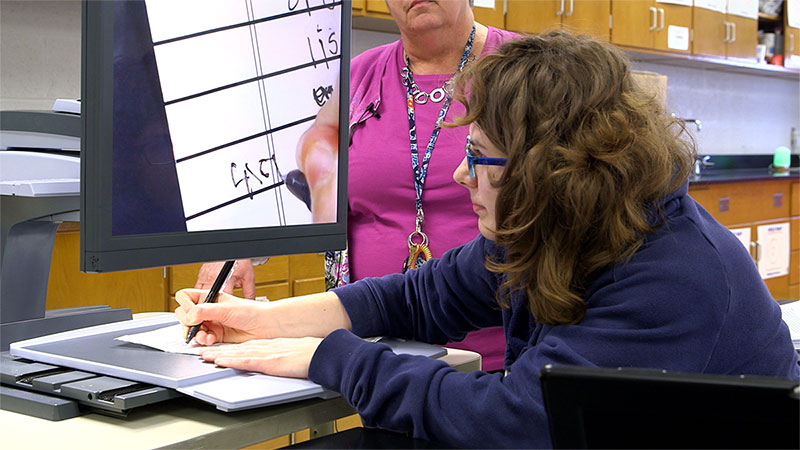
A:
{"x": 676, "y": 2}
{"x": 713, "y": 5}
{"x": 743, "y": 234}
{"x": 744, "y": 8}
{"x": 793, "y": 13}
{"x": 773, "y": 242}
{"x": 678, "y": 37}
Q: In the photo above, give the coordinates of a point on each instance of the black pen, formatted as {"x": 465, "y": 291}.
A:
{"x": 219, "y": 284}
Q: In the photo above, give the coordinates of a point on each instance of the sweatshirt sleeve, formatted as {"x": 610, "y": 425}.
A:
{"x": 423, "y": 396}
{"x": 438, "y": 303}
{"x": 429, "y": 399}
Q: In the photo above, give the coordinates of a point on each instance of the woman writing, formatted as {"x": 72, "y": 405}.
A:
{"x": 403, "y": 206}
{"x": 591, "y": 253}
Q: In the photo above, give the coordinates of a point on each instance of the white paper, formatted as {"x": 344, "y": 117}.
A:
{"x": 744, "y": 8}
{"x": 714, "y": 5}
{"x": 676, "y": 2}
{"x": 790, "y": 313}
{"x": 792, "y": 12}
{"x": 775, "y": 251}
{"x": 791, "y": 62}
{"x": 67, "y": 105}
{"x": 678, "y": 38}
{"x": 743, "y": 234}
{"x": 168, "y": 339}
{"x": 250, "y": 390}
{"x": 484, "y": 4}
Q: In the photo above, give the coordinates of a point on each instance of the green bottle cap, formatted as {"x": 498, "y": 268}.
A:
{"x": 782, "y": 157}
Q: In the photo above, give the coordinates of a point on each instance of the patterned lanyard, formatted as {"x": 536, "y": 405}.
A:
{"x": 419, "y": 253}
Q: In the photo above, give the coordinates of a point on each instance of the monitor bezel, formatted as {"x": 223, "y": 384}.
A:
{"x": 103, "y": 252}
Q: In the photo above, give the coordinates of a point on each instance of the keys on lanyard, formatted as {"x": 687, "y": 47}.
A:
{"x": 418, "y": 251}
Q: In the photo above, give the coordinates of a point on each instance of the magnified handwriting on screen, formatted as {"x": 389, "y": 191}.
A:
{"x": 241, "y": 82}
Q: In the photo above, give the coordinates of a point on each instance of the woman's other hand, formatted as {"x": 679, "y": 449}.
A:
{"x": 243, "y": 276}
{"x": 284, "y": 357}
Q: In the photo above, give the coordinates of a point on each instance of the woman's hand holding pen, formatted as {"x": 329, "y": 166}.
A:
{"x": 259, "y": 325}
{"x": 230, "y": 319}
{"x": 281, "y": 336}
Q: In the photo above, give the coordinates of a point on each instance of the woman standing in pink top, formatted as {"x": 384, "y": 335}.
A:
{"x": 403, "y": 205}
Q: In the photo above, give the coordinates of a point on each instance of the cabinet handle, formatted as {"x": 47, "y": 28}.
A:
{"x": 757, "y": 247}
{"x": 655, "y": 18}
{"x": 661, "y": 11}
{"x": 733, "y": 34}
{"x": 571, "y": 8}
{"x": 561, "y": 11}
{"x": 753, "y": 251}
{"x": 791, "y": 43}
{"x": 727, "y": 32}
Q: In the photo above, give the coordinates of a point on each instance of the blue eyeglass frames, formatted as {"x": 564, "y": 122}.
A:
{"x": 472, "y": 160}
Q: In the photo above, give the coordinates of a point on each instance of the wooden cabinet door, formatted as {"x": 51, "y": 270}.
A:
{"x": 140, "y": 290}
{"x": 633, "y": 22}
{"x": 534, "y": 16}
{"x": 272, "y": 279}
{"x": 737, "y": 204}
{"x": 794, "y": 261}
{"x": 791, "y": 37}
{"x": 588, "y": 16}
{"x": 358, "y": 7}
{"x": 750, "y": 205}
{"x": 677, "y": 16}
{"x": 743, "y": 39}
{"x": 791, "y": 44}
{"x": 709, "y": 32}
{"x": 377, "y": 8}
{"x": 307, "y": 273}
{"x": 493, "y": 17}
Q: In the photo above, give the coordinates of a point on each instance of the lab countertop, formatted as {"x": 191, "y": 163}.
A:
{"x": 736, "y": 175}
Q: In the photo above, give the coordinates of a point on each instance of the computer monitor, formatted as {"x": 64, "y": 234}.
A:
{"x": 192, "y": 111}
{"x": 590, "y": 407}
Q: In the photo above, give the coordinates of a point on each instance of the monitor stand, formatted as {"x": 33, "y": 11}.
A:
{"x": 25, "y": 271}
{"x": 40, "y": 189}
{"x": 28, "y": 228}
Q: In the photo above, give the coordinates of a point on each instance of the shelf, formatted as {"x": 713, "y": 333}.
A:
{"x": 769, "y": 17}
{"x": 713, "y": 63}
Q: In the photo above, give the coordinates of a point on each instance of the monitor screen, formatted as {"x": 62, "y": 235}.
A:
{"x": 192, "y": 112}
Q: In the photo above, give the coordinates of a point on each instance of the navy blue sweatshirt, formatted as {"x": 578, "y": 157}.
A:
{"x": 689, "y": 300}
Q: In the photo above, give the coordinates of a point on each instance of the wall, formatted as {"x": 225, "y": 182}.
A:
{"x": 740, "y": 113}
{"x": 40, "y": 53}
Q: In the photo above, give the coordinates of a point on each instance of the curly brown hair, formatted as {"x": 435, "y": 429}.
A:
{"x": 591, "y": 156}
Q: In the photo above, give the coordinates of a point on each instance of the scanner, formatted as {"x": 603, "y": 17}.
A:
{"x": 40, "y": 188}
